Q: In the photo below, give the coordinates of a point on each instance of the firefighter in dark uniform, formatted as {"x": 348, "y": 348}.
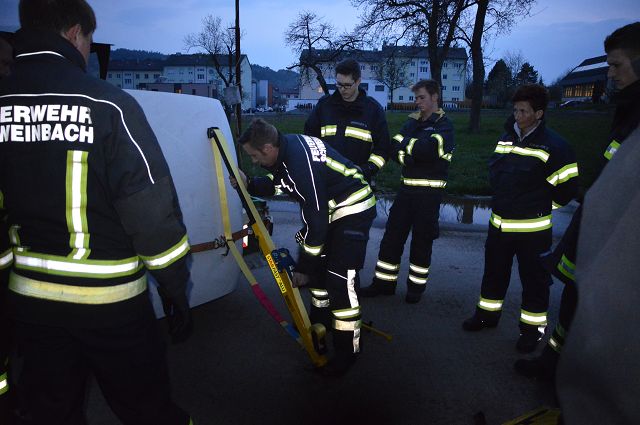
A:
{"x": 90, "y": 206}
{"x": 424, "y": 148}
{"x": 337, "y": 207}
{"x": 623, "y": 55}
{"x": 351, "y": 122}
{"x": 531, "y": 171}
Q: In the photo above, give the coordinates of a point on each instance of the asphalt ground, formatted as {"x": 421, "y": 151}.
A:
{"x": 240, "y": 367}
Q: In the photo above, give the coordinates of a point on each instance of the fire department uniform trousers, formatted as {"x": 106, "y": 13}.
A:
{"x": 334, "y": 301}
{"x": 416, "y": 212}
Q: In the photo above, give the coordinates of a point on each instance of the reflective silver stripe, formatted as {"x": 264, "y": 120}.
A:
{"x": 440, "y": 140}
{"x": 346, "y": 313}
{"x": 14, "y": 238}
{"x": 524, "y": 225}
{"x": 63, "y": 266}
{"x": 76, "y": 294}
{"x": 352, "y": 209}
{"x": 342, "y": 325}
{"x": 555, "y": 205}
{"x": 353, "y": 301}
{"x": 358, "y": 133}
{"x": 76, "y": 204}
{"x": 410, "y": 145}
{"x": 342, "y": 169}
{"x": 533, "y": 318}
{"x": 328, "y": 130}
{"x": 401, "y": 156}
{"x": 385, "y": 276}
{"x": 424, "y": 182}
{"x": 387, "y": 266}
{"x": 319, "y": 303}
{"x": 507, "y": 148}
{"x": 6, "y": 258}
{"x": 555, "y": 344}
{"x": 490, "y": 305}
{"x": 564, "y": 174}
{"x": 377, "y": 160}
{"x": 418, "y": 280}
{"x": 417, "y": 269}
{"x": 352, "y": 199}
{"x": 312, "y": 250}
{"x": 398, "y": 138}
{"x": 167, "y": 257}
{"x": 319, "y": 292}
{"x": 4, "y": 383}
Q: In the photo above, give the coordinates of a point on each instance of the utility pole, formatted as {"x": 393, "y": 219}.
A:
{"x": 238, "y": 79}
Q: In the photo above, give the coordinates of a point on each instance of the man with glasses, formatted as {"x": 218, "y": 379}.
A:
{"x": 351, "y": 122}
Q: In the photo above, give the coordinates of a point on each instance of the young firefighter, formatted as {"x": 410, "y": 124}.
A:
{"x": 424, "y": 148}
{"x": 351, "y": 122}
{"x": 623, "y": 55}
{"x": 532, "y": 170}
{"x": 90, "y": 205}
{"x": 338, "y": 208}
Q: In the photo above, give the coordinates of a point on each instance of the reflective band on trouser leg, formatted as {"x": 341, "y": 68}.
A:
{"x": 534, "y": 319}
{"x": 4, "y": 383}
{"x": 490, "y": 305}
{"x": 76, "y": 294}
{"x": 319, "y": 297}
{"x": 567, "y": 268}
{"x": 418, "y": 275}
{"x": 556, "y": 341}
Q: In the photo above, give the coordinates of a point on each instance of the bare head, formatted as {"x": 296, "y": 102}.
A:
{"x": 529, "y": 105}
{"x": 623, "y": 55}
{"x": 348, "y": 77}
{"x": 426, "y": 93}
{"x": 261, "y": 142}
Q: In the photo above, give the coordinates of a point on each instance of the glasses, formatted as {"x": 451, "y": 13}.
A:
{"x": 344, "y": 85}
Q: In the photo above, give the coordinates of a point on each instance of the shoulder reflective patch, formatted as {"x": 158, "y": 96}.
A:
{"x": 328, "y": 130}
{"x": 398, "y": 138}
{"x": 611, "y": 149}
{"x": 564, "y": 174}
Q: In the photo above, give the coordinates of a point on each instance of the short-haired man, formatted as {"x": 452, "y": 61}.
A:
{"x": 424, "y": 148}
{"x": 338, "y": 208}
{"x": 531, "y": 171}
{"x": 89, "y": 202}
{"x": 351, "y": 122}
{"x": 623, "y": 55}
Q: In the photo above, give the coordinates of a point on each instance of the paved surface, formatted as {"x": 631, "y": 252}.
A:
{"x": 241, "y": 368}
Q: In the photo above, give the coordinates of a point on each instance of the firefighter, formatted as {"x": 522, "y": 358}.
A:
{"x": 531, "y": 171}
{"x": 423, "y": 148}
{"x": 351, "y": 122}
{"x": 623, "y": 55}
{"x": 337, "y": 207}
{"x": 90, "y": 206}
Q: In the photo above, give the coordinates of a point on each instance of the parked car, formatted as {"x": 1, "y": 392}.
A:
{"x": 572, "y": 103}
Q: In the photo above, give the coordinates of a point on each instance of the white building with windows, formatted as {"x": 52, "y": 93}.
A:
{"x": 412, "y": 65}
{"x": 178, "y": 71}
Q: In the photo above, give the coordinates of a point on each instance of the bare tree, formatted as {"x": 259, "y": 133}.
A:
{"x": 391, "y": 69}
{"x": 216, "y": 40}
{"x": 483, "y": 19}
{"x": 316, "y": 43}
{"x": 417, "y": 23}
{"x": 514, "y": 61}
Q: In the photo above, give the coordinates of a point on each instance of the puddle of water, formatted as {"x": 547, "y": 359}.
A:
{"x": 453, "y": 209}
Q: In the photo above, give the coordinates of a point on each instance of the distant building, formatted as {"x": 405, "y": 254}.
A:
{"x": 189, "y": 74}
{"x": 412, "y": 65}
{"x": 587, "y": 81}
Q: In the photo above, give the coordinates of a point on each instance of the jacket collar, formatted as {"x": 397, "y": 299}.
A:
{"x": 435, "y": 117}
{"x": 40, "y": 44}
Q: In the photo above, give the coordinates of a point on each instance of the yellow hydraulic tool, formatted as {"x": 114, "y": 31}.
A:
{"x": 311, "y": 337}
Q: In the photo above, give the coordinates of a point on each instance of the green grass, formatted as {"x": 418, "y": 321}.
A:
{"x": 586, "y": 130}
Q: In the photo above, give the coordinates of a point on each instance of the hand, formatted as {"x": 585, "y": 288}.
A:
{"x": 178, "y": 313}
{"x": 234, "y": 182}
{"x": 300, "y": 279}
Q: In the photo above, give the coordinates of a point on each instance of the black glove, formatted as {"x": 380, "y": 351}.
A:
{"x": 178, "y": 313}
{"x": 367, "y": 171}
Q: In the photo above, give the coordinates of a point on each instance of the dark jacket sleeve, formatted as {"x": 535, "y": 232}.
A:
{"x": 312, "y": 124}
{"x": 399, "y": 142}
{"x": 261, "y": 186}
{"x": 146, "y": 200}
{"x": 381, "y": 142}
{"x": 562, "y": 170}
{"x": 437, "y": 144}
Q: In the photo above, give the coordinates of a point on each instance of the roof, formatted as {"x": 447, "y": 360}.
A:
{"x": 589, "y": 70}
{"x": 136, "y": 65}
{"x": 172, "y": 60}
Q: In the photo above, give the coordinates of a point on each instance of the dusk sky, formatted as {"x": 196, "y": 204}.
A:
{"x": 559, "y": 35}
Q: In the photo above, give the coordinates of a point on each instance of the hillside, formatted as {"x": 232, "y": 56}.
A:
{"x": 283, "y": 78}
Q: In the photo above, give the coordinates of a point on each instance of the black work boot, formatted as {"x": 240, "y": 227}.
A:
{"x": 528, "y": 340}
{"x": 542, "y": 367}
{"x": 337, "y": 366}
{"x": 480, "y": 320}
{"x": 376, "y": 289}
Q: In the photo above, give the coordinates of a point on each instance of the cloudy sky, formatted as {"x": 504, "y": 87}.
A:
{"x": 559, "y": 35}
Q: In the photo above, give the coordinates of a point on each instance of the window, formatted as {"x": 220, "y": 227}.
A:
{"x": 138, "y": 76}
{"x": 364, "y": 86}
{"x": 374, "y": 67}
{"x": 127, "y": 80}
{"x": 444, "y": 88}
{"x": 455, "y": 99}
{"x": 379, "y": 87}
{"x": 156, "y": 76}
{"x": 361, "y": 67}
{"x": 423, "y": 62}
{"x": 118, "y": 76}
{"x": 456, "y": 88}
{"x": 412, "y": 74}
{"x": 400, "y": 97}
{"x": 457, "y": 65}
{"x": 110, "y": 75}
{"x": 444, "y": 76}
{"x": 410, "y": 97}
{"x": 423, "y": 69}
{"x": 413, "y": 63}
{"x": 200, "y": 76}
{"x": 146, "y": 76}
{"x": 445, "y": 65}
